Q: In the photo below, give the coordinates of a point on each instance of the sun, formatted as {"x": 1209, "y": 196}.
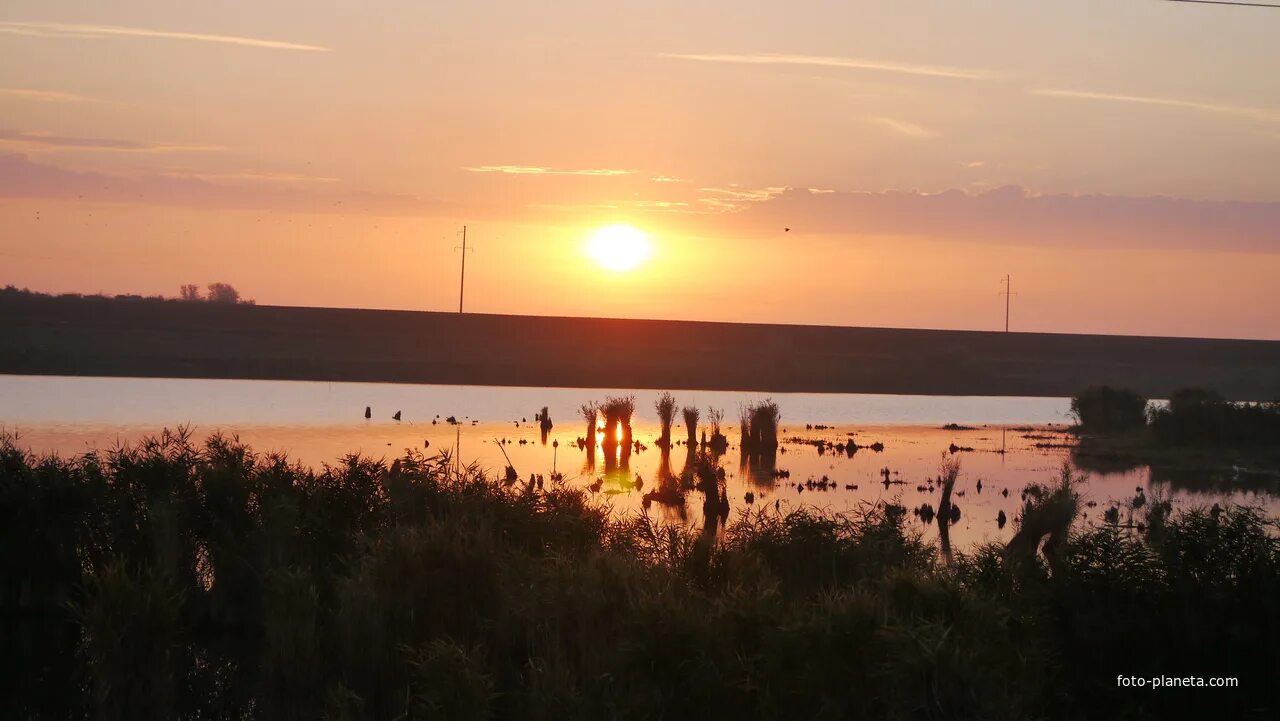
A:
{"x": 619, "y": 248}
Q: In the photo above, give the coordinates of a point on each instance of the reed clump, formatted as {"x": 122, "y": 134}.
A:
{"x": 691, "y": 417}
{"x": 666, "y": 408}
{"x": 544, "y": 424}
{"x": 617, "y": 412}
{"x": 1044, "y": 523}
{"x": 591, "y": 415}
{"x": 715, "y": 419}
{"x": 760, "y": 428}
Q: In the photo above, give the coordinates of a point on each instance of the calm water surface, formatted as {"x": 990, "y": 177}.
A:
{"x": 1014, "y": 441}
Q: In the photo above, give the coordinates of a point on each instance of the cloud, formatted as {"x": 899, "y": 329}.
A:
{"x": 1014, "y": 216}
{"x": 254, "y": 176}
{"x": 665, "y": 179}
{"x": 657, "y": 204}
{"x": 721, "y": 205}
{"x": 735, "y": 197}
{"x": 833, "y": 62}
{"x": 904, "y": 128}
{"x": 50, "y": 141}
{"x": 631, "y": 206}
{"x": 47, "y": 96}
{"x": 535, "y": 170}
{"x": 750, "y": 194}
{"x": 64, "y": 30}
{"x": 1254, "y": 113}
{"x": 22, "y": 178}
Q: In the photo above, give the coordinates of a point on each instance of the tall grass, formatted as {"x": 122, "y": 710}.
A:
{"x": 666, "y": 407}
{"x": 760, "y": 428}
{"x": 545, "y": 424}
{"x": 614, "y": 409}
{"x": 691, "y": 417}
{"x": 1044, "y": 523}
{"x": 617, "y": 429}
{"x": 170, "y": 580}
{"x": 715, "y": 419}
{"x": 591, "y": 414}
{"x": 948, "y": 513}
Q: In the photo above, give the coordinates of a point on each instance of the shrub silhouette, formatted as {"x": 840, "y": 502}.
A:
{"x": 1196, "y": 416}
{"x": 1103, "y": 409}
{"x": 223, "y": 293}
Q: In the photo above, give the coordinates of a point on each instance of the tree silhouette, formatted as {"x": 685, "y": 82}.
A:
{"x": 190, "y": 292}
{"x": 223, "y": 293}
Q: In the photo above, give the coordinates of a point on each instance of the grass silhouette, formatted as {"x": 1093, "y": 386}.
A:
{"x": 167, "y": 579}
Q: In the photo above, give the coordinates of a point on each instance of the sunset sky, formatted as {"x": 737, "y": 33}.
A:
{"x": 1120, "y": 158}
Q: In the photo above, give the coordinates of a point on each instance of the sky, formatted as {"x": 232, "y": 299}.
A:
{"x": 854, "y": 163}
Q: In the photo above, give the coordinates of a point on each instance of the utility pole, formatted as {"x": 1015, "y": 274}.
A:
{"x": 1007, "y": 292}
{"x": 462, "y": 283}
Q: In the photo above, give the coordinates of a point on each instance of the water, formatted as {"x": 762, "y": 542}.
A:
{"x": 1014, "y": 441}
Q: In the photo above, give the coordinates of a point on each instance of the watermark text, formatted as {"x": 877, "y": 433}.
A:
{"x": 1176, "y": 682}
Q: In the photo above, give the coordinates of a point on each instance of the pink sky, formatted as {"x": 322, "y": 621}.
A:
{"x": 1118, "y": 159}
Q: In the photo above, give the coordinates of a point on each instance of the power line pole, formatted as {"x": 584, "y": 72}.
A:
{"x": 1007, "y": 292}
{"x": 462, "y": 282}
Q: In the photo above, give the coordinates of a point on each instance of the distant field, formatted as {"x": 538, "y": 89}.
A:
{"x": 101, "y": 337}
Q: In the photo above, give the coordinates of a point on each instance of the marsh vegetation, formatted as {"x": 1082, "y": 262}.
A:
{"x": 172, "y": 580}
{"x": 1197, "y": 439}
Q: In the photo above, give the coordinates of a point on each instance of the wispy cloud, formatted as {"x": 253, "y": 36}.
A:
{"x": 735, "y": 197}
{"x": 47, "y": 96}
{"x": 21, "y": 177}
{"x": 647, "y": 206}
{"x": 936, "y": 71}
{"x": 246, "y": 175}
{"x": 719, "y": 204}
{"x": 904, "y": 128}
{"x": 536, "y": 170}
{"x": 673, "y": 205}
{"x": 665, "y": 179}
{"x": 748, "y": 194}
{"x": 50, "y": 141}
{"x": 1264, "y": 114}
{"x": 1014, "y": 215}
{"x": 64, "y": 30}
{"x": 24, "y": 30}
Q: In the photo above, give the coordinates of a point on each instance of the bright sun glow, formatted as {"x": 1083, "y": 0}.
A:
{"x": 619, "y": 247}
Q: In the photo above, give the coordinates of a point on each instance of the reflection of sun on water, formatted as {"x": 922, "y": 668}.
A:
{"x": 619, "y": 247}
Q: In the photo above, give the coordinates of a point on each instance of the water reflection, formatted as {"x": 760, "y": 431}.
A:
{"x": 759, "y": 443}
{"x": 841, "y": 473}
{"x": 590, "y": 414}
{"x": 1201, "y": 480}
{"x": 544, "y": 423}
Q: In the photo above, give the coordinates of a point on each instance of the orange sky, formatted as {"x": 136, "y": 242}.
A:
{"x": 1117, "y": 158}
